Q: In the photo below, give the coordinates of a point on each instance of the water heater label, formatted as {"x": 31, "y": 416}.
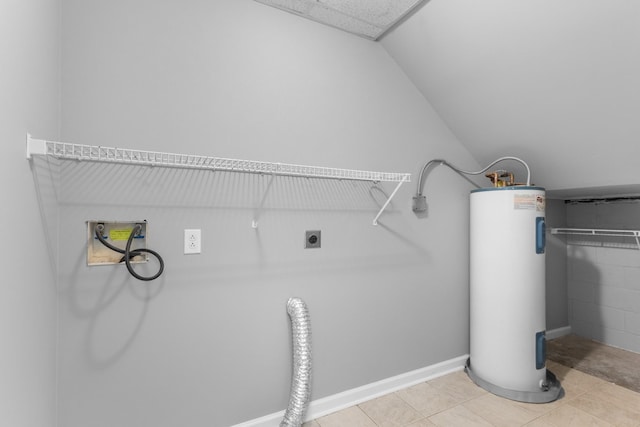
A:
{"x": 533, "y": 202}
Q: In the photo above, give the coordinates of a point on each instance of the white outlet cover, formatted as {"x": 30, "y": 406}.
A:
{"x": 192, "y": 241}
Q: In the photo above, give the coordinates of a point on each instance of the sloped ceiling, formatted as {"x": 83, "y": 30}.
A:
{"x": 556, "y": 83}
{"x": 366, "y": 18}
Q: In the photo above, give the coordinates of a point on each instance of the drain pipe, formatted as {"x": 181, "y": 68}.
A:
{"x": 300, "y": 381}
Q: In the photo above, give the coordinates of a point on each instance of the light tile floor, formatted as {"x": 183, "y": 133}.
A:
{"x": 455, "y": 401}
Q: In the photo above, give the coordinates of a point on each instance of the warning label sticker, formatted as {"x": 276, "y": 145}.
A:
{"x": 121, "y": 234}
{"x": 529, "y": 202}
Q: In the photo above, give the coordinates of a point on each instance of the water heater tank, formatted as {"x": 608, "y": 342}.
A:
{"x": 507, "y": 294}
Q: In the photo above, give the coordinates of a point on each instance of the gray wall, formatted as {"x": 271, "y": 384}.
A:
{"x": 29, "y": 84}
{"x": 604, "y": 275}
{"x": 208, "y": 343}
{"x": 556, "y": 267}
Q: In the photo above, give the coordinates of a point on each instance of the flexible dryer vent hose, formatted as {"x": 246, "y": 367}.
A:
{"x": 301, "y": 377}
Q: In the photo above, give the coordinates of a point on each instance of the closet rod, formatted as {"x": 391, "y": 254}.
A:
{"x": 94, "y": 153}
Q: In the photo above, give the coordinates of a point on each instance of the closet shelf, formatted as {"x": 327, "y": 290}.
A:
{"x": 598, "y": 232}
{"x": 93, "y": 153}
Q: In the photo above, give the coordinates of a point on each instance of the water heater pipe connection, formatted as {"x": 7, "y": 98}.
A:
{"x": 420, "y": 201}
{"x": 301, "y": 377}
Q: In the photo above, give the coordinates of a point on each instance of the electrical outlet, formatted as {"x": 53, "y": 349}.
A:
{"x": 192, "y": 241}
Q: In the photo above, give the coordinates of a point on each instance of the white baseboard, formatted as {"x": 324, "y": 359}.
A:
{"x": 345, "y": 399}
{"x": 557, "y": 333}
{"x": 327, "y": 405}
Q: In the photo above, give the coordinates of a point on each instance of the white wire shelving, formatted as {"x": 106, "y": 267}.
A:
{"x": 94, "y": 153}
{"x": 595, "y": 232}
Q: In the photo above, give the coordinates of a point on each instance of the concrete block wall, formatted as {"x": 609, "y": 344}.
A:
{"x": 604, "y": 274}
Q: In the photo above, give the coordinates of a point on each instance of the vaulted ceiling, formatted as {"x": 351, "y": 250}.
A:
{"x": 556, "y": 83}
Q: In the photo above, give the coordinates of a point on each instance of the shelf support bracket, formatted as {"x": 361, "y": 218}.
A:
{"x": 258, "y": 211}
{"x": 375, "y": 220}
{"x": 35, "y": 147}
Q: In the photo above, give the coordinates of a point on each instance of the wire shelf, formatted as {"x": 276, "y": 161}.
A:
{"x": 595, "y": 232}
{"x": 95, "y": 153}
{"x": 70, "y": 151}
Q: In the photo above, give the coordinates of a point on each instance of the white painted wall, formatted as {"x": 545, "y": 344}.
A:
{"x": 604, "y": 280}
{"x": 29, "y": 84}
{"x": 208, "y": 343}
{"x": 553, "y": 82}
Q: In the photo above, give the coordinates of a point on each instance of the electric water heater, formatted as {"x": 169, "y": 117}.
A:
{"x": 507, "y": 294}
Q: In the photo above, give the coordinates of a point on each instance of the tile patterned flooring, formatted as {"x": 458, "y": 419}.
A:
{"x": 455, "y": 401}
{"x": 600, "y": 360}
